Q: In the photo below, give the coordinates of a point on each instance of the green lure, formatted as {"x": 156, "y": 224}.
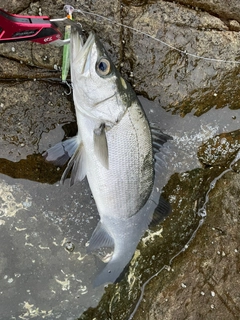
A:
{"x": 66, "y": 53}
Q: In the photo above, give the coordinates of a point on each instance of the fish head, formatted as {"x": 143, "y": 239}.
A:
{"x": 99, "y": 91}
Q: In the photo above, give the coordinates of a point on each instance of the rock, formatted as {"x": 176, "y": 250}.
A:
{"x": 229, "y": 11}
{"x": 15, "y": 6}
{"x": 179, "y": 72}
{"x": 234, "y": 25}
{"x": 220, "y": 150}
{"x": 164, "y": 72}
{"x": 39, "y": 277}
{"x": 135, "y": 3}
{"x": 203, "y": 275}
{"x": 28, "y": 110}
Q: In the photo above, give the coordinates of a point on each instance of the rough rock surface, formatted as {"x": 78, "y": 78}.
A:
{"x": 202, "y": 282}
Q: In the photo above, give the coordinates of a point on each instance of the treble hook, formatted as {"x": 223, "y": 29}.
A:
{"x": 69, "y": 85}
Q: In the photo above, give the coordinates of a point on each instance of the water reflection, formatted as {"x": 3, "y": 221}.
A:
{"x": 188, "y": 134}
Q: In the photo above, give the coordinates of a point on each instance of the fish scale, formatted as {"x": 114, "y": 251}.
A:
{"x": 113, "y": 149}
{"x": 121, "y": 190}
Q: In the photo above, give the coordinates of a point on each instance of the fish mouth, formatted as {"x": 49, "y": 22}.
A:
{"x": 80, "y": 51}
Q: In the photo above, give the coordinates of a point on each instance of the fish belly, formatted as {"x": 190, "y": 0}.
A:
{"x": 122, "y": 189}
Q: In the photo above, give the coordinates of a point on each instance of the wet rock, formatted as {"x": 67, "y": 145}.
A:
{"x": 220, "y": 150}
{"x": 158, "y": 249}
{"x": 135, "y": 3}
{"x": 28, "y": 110}
{"x": 234, "y": 25}
{"x": 229, "y": 11}
{"x": 15, "y": 6}
{"x": 203, "y": 275}
{"x": 179, "y": 81}
{"x": 11, "y": 70}
{"x": 39, "y": 278}
{"x": 37, "y": 114}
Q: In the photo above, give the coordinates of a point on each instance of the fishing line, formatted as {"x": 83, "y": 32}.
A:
{"x": 154, "y": 38}
{"x": 66, "y": 51}
{"x": 202, "y": 213}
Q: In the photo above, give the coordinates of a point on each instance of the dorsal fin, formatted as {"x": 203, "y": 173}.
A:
{"x": 162, "y": 210}
{"x": 158, "y": 137}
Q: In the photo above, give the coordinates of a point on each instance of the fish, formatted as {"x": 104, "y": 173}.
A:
{"x": 114, "y": 149}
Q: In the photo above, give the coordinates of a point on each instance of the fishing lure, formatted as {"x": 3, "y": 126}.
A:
{"x": 66, "y": 49}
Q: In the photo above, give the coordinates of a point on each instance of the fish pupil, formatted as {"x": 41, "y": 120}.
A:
{"x": 102, "y": 66}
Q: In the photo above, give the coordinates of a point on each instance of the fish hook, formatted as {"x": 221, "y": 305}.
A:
{"x": 69, "y": 87}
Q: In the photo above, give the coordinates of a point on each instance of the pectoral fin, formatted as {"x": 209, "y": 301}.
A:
{"x": 62, "y": 151}
{"x": 78, "y": 165}
{"x": 100, "y": 145}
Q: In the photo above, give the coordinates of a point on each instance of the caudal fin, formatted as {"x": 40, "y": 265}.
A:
{"x": 110, "y": 273}
{"x": 102, "y": 239}
{"x": 123, "y": 236}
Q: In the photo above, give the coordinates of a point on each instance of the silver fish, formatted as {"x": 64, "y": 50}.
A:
{"x": 114, "y": 150}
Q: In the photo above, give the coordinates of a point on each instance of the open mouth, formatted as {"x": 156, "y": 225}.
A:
{"x": 80, "y": 51}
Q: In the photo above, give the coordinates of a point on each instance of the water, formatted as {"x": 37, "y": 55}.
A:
{"x": 39, "y": 222}
{"x": 188, "y": 134}
{"x": 44, "y": 269}
{"x": 202, "y": 213}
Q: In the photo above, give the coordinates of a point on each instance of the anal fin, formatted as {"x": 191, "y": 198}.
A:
{"x": 100, "y": 238}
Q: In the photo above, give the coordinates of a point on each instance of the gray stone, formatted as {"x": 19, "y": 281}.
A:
{"x": 44, "y": 270}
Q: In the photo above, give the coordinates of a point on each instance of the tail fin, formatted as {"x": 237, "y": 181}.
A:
{"x": 111, "y": 272}
{"x": 123, "y": 235}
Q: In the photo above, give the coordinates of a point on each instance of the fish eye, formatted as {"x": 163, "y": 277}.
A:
{"x": 103, "y": 67}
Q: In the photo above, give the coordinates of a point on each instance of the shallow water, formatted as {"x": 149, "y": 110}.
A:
{"x": 40, "y": 275}
{"x": 41, "y": 221}
{"x": 188, "y": 134}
